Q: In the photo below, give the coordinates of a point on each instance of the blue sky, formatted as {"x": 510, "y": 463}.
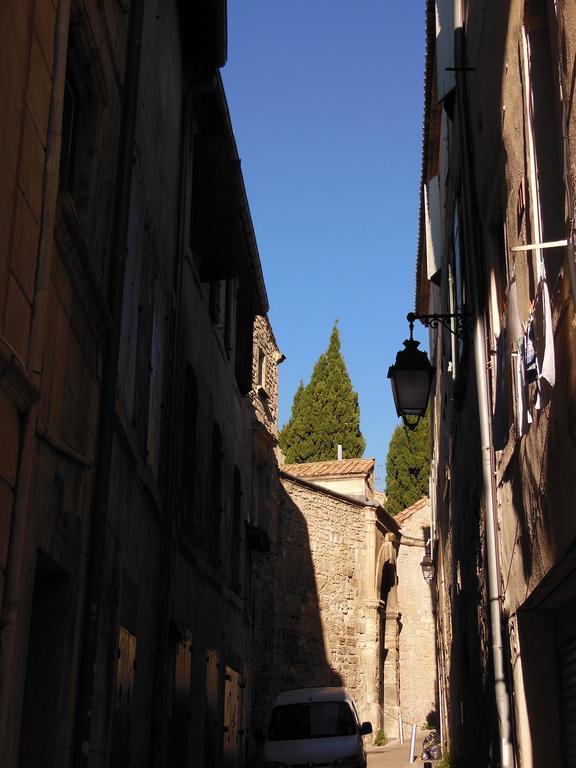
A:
{"x": 326, "y": 101}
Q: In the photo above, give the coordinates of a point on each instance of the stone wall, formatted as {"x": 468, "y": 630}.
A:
{"x": 264, "y": 394}
{"x": 417, "y": 635}
{"x": 327, "y": 586}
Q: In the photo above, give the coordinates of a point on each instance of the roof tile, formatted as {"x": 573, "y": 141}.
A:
{"x": 331, "y": 468}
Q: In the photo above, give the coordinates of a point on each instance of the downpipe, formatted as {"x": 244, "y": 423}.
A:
{"x": 500, "y": 683}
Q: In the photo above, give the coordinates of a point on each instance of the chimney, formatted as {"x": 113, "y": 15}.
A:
{"x": 339, "y": 452}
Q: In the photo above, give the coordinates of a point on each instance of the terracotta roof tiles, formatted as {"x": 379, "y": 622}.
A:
{"x": 406, "y": 513}
{"x": 330, "y": 468}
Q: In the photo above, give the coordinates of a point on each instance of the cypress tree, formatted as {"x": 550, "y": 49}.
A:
{"x": 325, "y": 413}
{"x": 407, "y": 467}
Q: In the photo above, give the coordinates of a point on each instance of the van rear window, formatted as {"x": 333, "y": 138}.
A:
{"x": 313, "y": 720}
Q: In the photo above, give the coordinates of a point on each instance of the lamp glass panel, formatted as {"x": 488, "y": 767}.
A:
{"x": 428, "y": 572}
{"x": 411, "y": 389}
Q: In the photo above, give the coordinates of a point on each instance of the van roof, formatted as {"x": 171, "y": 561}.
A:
{"x": 302, "y": 695}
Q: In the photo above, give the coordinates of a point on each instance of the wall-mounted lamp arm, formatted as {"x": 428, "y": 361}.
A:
{"x": 434, "y": 320}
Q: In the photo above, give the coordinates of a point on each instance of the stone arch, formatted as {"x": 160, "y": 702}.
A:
{"x": 385, "y": 588}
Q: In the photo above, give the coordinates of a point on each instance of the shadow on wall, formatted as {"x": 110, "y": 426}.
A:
{"x": 287, "y": 613}
{"x": 471, "y": 687}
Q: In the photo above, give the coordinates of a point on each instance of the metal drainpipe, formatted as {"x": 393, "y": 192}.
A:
{"x": 500, "y": 683}
{"x": 99, "y": 522}
{"x": 484, "y": 410}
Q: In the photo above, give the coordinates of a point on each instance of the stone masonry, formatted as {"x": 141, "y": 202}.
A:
{"x": 417, "y": 634}
{"x": 335, "y": 555}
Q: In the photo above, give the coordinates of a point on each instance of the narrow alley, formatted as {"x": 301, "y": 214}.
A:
{"x": 214, "y": 551}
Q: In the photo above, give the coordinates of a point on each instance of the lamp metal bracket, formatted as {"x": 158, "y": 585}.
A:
{"x": 433, "y": 321}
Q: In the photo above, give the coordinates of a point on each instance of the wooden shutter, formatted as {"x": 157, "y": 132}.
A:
{"x": 182, "y": 700}
{"x": 446, "y": 80}
{"x": 232, "y": 716}
{"x": 122, "y": 705}
{"x": 211, "y": 708}
{"x": 433, "y": 226}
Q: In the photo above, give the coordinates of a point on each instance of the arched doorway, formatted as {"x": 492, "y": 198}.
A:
{"x": 389, "y": 630}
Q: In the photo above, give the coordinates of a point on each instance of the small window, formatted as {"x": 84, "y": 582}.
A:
{"x": 261, "y": 368}
{"x": 262, "y": 494}
{"x": 236, "y": 529}
{"x": 216, "y": 496}
{"x": 156, "y": 379}
{"x": 229, "y": 314}
{"x": 217, "y": 301}
{"x": 457, "y": 292}
{"x": 189, "y": 439}
{"x": 244, "y": 351}
{"x": 69, "y": 135}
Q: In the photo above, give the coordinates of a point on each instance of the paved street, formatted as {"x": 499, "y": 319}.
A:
{"x": 393, "y": 755}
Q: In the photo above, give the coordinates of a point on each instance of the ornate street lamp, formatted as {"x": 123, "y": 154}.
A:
{"x": 411, "y": 378}
{"x": 428, "y": 568}
{"x": 411, "y": 375}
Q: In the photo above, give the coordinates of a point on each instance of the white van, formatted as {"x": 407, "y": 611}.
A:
{"x": 315, "y": 727}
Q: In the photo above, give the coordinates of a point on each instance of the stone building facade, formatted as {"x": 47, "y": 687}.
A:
{"x": 497, "y": 242}
{"x": 417, "y": 641}
{"x": 131, "y": 292}
{"x": 335, "y": 605}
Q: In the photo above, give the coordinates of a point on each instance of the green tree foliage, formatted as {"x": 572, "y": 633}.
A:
{"x": 407, "y": 467}
{"x": 325, "y": 413}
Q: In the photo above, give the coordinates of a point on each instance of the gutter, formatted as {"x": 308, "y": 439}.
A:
{"x": 421, "y": 290}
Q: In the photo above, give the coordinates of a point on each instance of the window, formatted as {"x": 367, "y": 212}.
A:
{"x": 229, "y": 314}
{"x": 131, "y": 302}
{"x": 156, "y": 379}
{"x": 261, "y": 376}
{"x": 542, "y": 105}
{"x": 456, "y": 292}
{"x": 222, "y": 307}
{"x": 215, "y": 496}
{"x": 189, "y": 440}
{"x": 69, "y": 135}
{"x": 244, "y": 338}
{"x": 216, "y": 301}
{"x": 317, "y": 720}
{"x": 86, "y": 177}
{"x": 261, "y": 494}
{"x": 501, "y": 330}
{"x": 85, "y": 91}
{"x": 236, "y": 529}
